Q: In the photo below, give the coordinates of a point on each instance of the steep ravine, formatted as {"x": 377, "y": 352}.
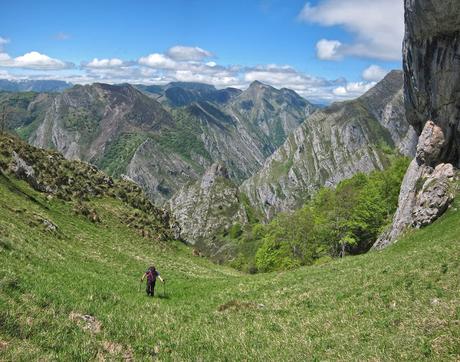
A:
{"x": 211, "y": 205}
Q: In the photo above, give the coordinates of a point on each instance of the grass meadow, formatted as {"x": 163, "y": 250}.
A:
{"x": 73, "y": 293}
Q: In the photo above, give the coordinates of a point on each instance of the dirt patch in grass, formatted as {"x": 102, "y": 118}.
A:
{"x": 86, "y": 321}
{"x": 3, "y": 345}
{"x": 112, "y": 349}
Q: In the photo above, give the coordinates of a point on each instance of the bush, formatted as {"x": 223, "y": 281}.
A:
{"x": 273, "y": 255}
{"x": 235, "y": 231}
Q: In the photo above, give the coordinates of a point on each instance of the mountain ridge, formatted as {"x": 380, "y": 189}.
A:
{"x": 333, "y": 144}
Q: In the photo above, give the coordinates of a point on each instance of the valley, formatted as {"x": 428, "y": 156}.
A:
{"x": 401, "y": 302}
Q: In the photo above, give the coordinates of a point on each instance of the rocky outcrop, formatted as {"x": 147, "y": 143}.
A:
{"x": 209, "y": 206}
{"x": 426, "y": 191}
{"x": 78, "y": 182}
{"x": 334, "y": 144}
{"x": 432, "y": 103}
{"x": 435, "y": 195}
{"x": 430, "y": 144}
{"x": 25, "y": 172}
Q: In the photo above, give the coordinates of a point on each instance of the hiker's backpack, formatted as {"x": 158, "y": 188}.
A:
{"x": 151, "y": 275}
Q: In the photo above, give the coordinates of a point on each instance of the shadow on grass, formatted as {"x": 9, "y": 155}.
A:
{"x": 162, "y": 296}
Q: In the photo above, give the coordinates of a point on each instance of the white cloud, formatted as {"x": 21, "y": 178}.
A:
{"x": 4, "y": 57}
{"x": 160, "y": 68}
{"x": 33, "y": 60}
{"x": 219, "y": 79}
{"x": 378, "y": 25}
{"x": 282, "y": 76}
{"x": 328, "y": 49}
{"x": 188, "y": 70}
{"x": 340, "y": 91}
{"x": 184, "y": 53}
{"x": 104, "y": 63}
{"x": 157, "y": 60}
{"x": 352, "y": 89}
{"x": 374, "y": 73}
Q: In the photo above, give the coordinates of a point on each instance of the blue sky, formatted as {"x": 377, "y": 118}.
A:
{"x": 324, "y": 49}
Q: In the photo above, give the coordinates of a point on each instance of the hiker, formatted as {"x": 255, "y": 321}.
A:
{"x": 152, "y": 275}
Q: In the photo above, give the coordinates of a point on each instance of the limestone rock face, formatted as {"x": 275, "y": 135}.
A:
{"x": 430, "y": 144}
{"x": 435, "y": 196}
{"x": 206, "y": 207}
{"x": 161, "y": 175}
{"x": 432, "y": 101}
{"x": 425, "y": 195}
{"x": 432, "y": 70}
{"x": 26, "y": 172}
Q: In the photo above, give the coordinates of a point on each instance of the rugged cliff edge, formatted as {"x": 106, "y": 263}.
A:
{"x": 432, "y": 100}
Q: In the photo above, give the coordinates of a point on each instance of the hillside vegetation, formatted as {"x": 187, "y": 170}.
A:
{"x": 336, "y": 221}
{"x": 69, "y": 290}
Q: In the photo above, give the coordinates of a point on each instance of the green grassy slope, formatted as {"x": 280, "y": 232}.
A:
{"x": 399, "y": 304}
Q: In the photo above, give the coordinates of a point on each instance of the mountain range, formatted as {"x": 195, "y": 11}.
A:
{"x": 259, "y": 151}
{"x": 119, "y": 128}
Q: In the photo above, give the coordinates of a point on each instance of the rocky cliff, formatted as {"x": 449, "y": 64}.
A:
{"x": 334, "y": 144}
{"x": 432, "y": 100}
{"x": 211, "y": 205}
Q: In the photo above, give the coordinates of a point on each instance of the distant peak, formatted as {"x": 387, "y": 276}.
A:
{"x": 257, "y": 83}
{"x": 390, "y": 84}
{"x": 257, "y": 86}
